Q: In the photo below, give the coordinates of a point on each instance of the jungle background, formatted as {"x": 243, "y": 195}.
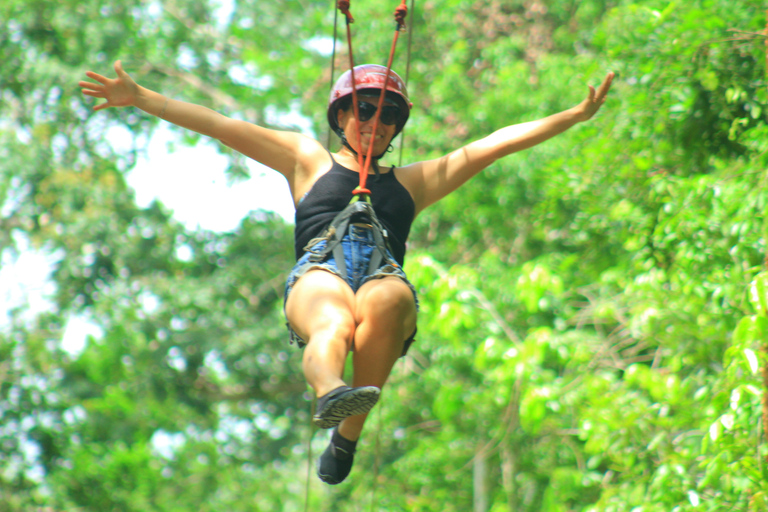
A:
{"x": 593, "y": 316}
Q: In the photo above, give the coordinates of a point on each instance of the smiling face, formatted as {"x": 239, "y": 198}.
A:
{"x": 382, "y": 137}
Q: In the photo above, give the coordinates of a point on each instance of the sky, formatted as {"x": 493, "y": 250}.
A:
{"x": 191, "y": 182}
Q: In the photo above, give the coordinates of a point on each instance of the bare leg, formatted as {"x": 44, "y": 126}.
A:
{"x": 385, "y": 314}
{"x": 320, "y": 309}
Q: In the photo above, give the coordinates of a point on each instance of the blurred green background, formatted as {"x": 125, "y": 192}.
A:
{"x": 593, "y": 317}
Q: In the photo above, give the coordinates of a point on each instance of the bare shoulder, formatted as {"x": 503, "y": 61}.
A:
{"x": 312, "y": 161}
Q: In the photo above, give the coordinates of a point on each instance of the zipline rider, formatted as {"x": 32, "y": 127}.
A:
{"x": 334, "y": 307}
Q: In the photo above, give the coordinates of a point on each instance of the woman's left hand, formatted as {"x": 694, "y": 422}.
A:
{"x": 587, "y": 108}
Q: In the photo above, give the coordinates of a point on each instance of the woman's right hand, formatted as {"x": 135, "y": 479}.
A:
{"x": 119, "y": 92}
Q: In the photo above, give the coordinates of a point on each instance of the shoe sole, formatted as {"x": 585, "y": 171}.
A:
{"x": 354, "y": 402}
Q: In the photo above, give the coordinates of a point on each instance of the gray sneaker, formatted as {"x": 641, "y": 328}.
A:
{"x": 343, "y": 402}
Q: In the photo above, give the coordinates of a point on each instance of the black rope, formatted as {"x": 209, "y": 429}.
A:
{"x": 376, "y": 461}
{"x": 309, "y": 453}
{"x": 407, "y": 73}
{"x": 333, "y": 60}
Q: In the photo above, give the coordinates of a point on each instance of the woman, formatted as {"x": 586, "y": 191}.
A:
{"x": 336, "y": 301}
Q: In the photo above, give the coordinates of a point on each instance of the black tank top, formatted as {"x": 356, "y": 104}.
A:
{"x": 331, "y": 194}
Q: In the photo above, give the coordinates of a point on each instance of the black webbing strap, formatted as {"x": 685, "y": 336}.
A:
{"x": 339, "y": 227}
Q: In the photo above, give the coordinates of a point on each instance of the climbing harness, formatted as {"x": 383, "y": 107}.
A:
{"x": 357, "y": 209}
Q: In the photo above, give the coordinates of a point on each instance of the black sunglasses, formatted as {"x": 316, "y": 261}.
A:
{"x": 389, "y": 114}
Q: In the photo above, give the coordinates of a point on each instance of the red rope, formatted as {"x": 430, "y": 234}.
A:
{"x": 344, "y": 8}
{"x": 400, "y": 14}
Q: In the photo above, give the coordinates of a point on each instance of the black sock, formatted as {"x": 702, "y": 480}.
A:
{"x": 336, "y": 461}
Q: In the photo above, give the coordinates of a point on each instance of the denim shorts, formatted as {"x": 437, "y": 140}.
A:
{"x": 358, "y": 246}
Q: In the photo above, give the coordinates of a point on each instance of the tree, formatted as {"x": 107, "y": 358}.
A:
{"x": 590, "y": 327}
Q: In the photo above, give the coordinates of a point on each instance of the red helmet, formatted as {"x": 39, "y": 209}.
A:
{"x": 369, "y": 77}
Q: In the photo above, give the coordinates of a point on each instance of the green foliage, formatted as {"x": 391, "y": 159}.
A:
{"x": 593, "y": 312}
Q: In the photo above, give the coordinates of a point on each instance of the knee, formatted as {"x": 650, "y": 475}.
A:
{"x": 336, "y": 324}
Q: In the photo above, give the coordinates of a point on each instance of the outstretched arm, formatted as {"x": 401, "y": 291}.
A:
{"x": 280, "y": 150}
{"x": 432, "y": 180}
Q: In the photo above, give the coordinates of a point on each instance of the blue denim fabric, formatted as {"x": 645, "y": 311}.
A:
{"x": 358, "y": 247}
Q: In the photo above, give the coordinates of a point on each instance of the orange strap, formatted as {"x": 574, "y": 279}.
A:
{"x": 364, "y": 165}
